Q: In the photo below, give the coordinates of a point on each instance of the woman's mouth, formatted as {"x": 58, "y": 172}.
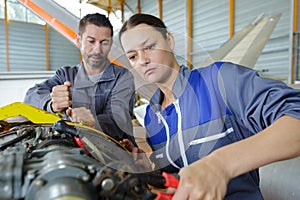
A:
{"x": 149, "y": 71}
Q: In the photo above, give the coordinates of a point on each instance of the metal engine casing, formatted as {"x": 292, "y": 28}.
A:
{"x": 40, "y": 163}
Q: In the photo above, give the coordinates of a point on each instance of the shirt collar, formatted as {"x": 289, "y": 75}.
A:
{"x": 82, "y": 80}
{"x": 178, "y": 88}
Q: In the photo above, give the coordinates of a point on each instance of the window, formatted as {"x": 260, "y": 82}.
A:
{"x": 1, "y": 9}
{"x": 16, "y": 11}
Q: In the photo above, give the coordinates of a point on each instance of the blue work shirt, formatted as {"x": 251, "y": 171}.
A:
{"x": 215, "y": 106}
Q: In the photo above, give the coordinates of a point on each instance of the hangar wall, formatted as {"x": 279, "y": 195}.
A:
{"x": 27, "y": 46}
{"x": 211, "y": 29}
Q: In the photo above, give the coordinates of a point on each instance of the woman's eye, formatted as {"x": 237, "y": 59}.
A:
{"x": 150, "y": 47}
{"x": 131, "y": 58}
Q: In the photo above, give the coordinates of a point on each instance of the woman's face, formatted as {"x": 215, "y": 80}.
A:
{"x": 149, "y": 53}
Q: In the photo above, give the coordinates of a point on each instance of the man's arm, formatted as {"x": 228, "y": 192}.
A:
{"x": 118, "y": 117}
{"x": 40, "y": 94}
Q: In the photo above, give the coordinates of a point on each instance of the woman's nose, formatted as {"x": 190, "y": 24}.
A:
{"x": 143, "y": 58}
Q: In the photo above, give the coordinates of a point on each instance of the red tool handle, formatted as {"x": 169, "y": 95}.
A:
{"x": 80, "y": 144}
{"x": 163, "y": 196}
{"x": 171, "y": 181}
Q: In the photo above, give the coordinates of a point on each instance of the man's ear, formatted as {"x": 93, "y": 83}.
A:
{"x": 171, "y": 41}
{"x": 78, "y": 41}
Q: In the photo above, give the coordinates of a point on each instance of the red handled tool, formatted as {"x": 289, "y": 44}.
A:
{"x": 80, "y": 144}
{"x": 170, "y": 181}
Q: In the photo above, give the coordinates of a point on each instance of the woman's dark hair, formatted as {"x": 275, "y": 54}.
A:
{"x": 96, "y": 19}
{"x": 141, "y": 18}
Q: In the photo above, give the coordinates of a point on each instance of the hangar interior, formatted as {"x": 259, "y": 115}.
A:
{"x": 37, "y": 37}
{"x": 200, "y": 27}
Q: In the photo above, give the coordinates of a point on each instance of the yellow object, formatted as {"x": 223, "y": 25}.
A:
{"x": 32, "y": 113}
{"x": 38, "y": 116}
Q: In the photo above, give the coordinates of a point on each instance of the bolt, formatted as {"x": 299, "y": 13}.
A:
{"x": 39, "y": 182}
{"x": 85, "y": 178}
{"x": 56, "y": 133}
{"x": 91, "y": 168}
{"x": 107, "y": 184}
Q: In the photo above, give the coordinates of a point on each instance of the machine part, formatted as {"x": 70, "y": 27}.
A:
{"x": 63, "y": 160}
{"x": 33, "y": 114}
{"x": 49, "y": 165}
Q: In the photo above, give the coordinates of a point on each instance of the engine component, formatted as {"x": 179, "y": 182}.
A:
{"x": 63, "y": 160}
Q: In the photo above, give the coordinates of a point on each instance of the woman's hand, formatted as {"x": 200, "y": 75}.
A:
{"x": 205, "y": 179}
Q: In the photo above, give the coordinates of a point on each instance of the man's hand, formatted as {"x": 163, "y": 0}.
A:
{"x": 81, "y": 115}
{"x": 61, "y": 97}
{"x": 139, "y": 155}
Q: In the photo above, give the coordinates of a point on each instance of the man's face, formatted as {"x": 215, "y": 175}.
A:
{"x": 95, "y": 44}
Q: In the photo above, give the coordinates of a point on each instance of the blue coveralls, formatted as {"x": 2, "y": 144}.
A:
{"x": 216, "y": 106}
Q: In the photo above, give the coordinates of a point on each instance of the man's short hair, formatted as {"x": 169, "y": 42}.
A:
{"x": 96, "y": 19}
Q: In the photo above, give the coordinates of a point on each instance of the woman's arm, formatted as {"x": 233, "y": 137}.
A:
{"x": 207, "y": 178}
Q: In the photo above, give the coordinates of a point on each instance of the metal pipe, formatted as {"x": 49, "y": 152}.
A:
{"x": 160, "y": 9}
{"x": 6, "y": 36}
{"x": 231, "y": 18}
{"x": 293, "y": 39}
{"x": 189, "y": 32}
{"x": 47, "y": 47}
{"x": 295, "y": 25}
{"x": 138, "y": 6}
{"x": 122, "y": 10}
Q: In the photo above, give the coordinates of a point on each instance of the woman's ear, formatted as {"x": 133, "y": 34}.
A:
{"x": 170, "y": 40}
